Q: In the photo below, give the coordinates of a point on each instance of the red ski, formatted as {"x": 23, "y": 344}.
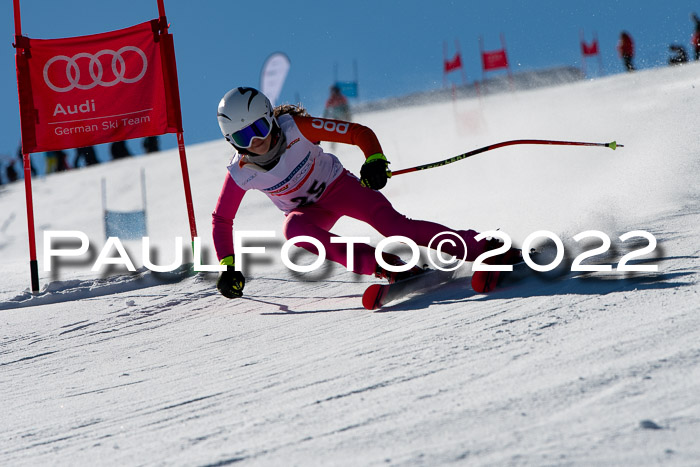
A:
{"x": 488, "y": 281}
{"x": 378, "y": 295}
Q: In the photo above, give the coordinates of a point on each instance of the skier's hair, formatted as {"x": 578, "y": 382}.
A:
{"x": 291, "y": 109}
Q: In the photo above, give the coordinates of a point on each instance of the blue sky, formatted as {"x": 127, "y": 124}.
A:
{"x": 397, "y": 44}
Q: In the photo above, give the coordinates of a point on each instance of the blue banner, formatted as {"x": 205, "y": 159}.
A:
{"x": 347, "y": 88}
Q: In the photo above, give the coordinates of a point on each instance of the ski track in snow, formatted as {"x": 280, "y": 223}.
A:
{"x": 558, "y": 368}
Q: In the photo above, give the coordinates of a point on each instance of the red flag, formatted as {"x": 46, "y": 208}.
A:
{"x": 591, "y": 49}
{"x": 95, "y": 89}
{"x": 494, "y": 60}
{"x": 454, "y": 64}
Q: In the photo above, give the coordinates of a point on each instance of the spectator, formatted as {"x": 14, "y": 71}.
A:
{"x": 51, "y": 162}
{"x": 56, "y": 161}
{"x": 150, "y": 144}
{"x": 626, "y": 49}
{"x": 119, "y": 150}
{"x": 12, "y": 175}
{"x": 3, "y": 158}
{"x": 337, "y": 107}
{"x": 87, "y": 154}
{"x": 679, "y": 55}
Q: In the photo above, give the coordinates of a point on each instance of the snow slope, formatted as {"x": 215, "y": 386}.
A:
{"x": 602, "y": 368}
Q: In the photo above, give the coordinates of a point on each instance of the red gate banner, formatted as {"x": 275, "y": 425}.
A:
{"x": 494, "y": 60}
{"x": 454, "y": 64}
{"x": 95, "y": 89}
{"x": 589, "y": 49}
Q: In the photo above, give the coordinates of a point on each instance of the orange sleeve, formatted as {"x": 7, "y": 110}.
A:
{"x": 337, "y": 131}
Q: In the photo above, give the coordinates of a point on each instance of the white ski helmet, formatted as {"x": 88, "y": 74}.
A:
{"x": 244, "y": 114}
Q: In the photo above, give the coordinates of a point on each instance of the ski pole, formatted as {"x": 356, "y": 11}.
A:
{"x": 612, "y": 145}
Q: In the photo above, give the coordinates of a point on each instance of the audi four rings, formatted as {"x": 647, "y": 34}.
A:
{"x": 95, "y": 69}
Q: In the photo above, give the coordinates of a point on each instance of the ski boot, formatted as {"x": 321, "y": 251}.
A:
{"x": 487, "y": 281}
{"x": 393, "y": 276}
{"x": 512, "y": 256}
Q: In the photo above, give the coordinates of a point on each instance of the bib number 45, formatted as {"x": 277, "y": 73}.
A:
{"x": 312, "y": 195}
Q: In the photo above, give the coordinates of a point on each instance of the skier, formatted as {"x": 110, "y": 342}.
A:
{"x": 277, "y": 154}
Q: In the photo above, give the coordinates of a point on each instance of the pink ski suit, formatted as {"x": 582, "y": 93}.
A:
{"x": 314, "y": 191}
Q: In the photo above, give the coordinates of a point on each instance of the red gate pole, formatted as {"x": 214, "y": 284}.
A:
{"x": 33, "y": 265}
{"x": 186, "y": 182}
{"x": 459, "y": 51}
{"x": 505, "y": 53}
{"x": 180, "y": 136}
{"x": 600, "y": 58}
{"x": 444, "y": 64}
{"x": 582, "y": 40}
{"x": 26, "y": 161}
{"x": 481, "y": 55}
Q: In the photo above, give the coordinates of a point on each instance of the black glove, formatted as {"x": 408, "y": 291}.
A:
{"x": 230, "y": 282}
{"x": 375, "y": 172}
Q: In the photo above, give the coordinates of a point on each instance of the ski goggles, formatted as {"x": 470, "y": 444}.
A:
{"x": 260, "y": 128}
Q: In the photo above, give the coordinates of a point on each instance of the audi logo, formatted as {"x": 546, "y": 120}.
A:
{"x": 95, "y": 69}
